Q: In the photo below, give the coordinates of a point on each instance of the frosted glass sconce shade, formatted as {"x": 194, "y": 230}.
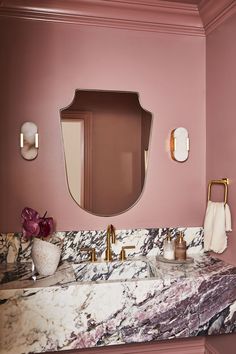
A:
{"x": 29, "y": 142}
{"x": 179, "y": 144}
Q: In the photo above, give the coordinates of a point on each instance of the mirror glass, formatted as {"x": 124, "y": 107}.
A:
{"x": 106, "y": 141}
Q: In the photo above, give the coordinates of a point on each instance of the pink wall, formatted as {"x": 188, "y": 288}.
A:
{"x": 45, "y": 62}
{"x": 173, "y": 346}
{"x": 223, "y": 344}
{"x": 221, "y": 123}
{"x": 221, "y": 142}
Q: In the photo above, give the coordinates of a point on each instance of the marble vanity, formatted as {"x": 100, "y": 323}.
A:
{"x": 89, "y": 305}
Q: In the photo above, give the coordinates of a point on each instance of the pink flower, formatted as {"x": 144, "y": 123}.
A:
{"x": 46, "y": 226}
{"x": 29, "y": 214}
{"x": 30, "y": 228}
{"x": 35, "y": 226}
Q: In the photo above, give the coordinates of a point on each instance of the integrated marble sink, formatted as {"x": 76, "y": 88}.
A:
{"x": 116, "y": 270}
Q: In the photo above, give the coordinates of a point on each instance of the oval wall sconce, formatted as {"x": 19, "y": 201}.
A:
{"x": 179, "y": 144}
{"x": 29, "y": 140}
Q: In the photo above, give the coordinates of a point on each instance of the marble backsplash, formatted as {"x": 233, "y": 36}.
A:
{"x": 147, "y": 242}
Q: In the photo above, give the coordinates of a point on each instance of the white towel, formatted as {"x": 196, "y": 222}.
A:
{"x": 217, "y": 222}
{"x": 227, "y": 218}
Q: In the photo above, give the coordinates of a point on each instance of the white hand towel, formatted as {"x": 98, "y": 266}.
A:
{"x": 217, "y": 222}
{"x": 227, "y": 218}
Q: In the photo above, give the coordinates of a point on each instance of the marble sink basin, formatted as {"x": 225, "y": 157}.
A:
{"x": 117, "y": 270}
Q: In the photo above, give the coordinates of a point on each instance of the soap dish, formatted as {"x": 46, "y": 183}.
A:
{"x": 188, "y": 260}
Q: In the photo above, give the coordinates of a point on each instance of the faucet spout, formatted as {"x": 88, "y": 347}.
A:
{"x": 110, "y": 237}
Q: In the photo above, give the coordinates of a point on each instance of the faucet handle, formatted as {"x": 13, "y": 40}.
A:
{"x": 122, "y": 252}
{"x": 93, "y": 257}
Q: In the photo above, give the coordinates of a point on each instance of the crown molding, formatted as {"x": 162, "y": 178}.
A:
{"x": 213, "y": 13}
{"x": 142, "y": 15}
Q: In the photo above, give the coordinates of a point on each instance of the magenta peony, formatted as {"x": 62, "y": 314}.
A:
{"x": 46, "y": 226}
{"x": 35, "y": 226}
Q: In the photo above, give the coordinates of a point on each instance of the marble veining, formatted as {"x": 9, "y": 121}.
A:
{"x": 147, "y": 242}
{"x": 178, "y": 301}
{"x": 117, "y": 270}
{"x": 21, "y": 275}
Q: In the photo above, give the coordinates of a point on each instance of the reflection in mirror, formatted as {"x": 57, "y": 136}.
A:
{"x": 106, "y": 141}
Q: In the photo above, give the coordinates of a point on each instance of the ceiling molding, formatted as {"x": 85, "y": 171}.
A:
{"x": 213, "y": 12}
{"x": 142, "y": 15}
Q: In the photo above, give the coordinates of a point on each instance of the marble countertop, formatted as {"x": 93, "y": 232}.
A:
{"x": 21, "y": 276}
{"x": 59, "y": 313}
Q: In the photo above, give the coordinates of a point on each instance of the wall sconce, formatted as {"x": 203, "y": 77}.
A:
{"x": 179, "y": 144}
{"x": 29, "y": 140}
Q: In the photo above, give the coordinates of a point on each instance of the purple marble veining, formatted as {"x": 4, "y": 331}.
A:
{"x": 13, "y": 248}
{"x": 98, "y": 304}
{"x": 177, "y": 302}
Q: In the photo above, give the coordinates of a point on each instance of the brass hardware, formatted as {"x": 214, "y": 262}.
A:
{"x": 93, "y": 257}
{"x": 122, "y": 252}
{"x": 225, "y": 182}
{"x": 111, "y": 237}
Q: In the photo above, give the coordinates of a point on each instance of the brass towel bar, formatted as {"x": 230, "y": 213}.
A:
{"x": 225, "y": 182}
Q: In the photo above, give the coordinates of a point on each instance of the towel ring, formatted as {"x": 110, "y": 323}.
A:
{"x": 225, "y": 182}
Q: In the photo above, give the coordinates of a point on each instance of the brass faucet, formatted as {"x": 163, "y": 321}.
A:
{"x": 93, "y": 257}
{"x": 111, "y": 237}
